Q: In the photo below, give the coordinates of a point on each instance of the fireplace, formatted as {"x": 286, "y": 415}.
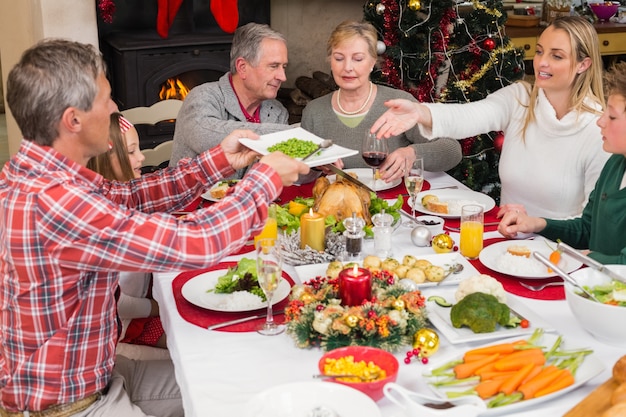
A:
{"x": 142, "y": 65}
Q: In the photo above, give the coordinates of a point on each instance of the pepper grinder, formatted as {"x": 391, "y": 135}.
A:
{"x": 354, "y": 237}
{"x": 382, "y": 233}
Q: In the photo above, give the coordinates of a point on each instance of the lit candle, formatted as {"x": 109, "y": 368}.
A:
{"x": 355, "y": 286}
{"x": 312, "y": 231}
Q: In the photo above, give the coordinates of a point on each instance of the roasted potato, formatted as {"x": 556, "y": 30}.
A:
{"x": 416, "y": 275}
{"x": 435, "y": 273}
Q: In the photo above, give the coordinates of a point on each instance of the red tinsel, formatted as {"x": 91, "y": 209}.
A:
{"x": 107, "y": 10}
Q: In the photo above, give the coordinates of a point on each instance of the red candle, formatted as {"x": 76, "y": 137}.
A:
{"x": 355, "y": 286}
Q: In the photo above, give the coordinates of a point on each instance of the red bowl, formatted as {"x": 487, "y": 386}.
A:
{"x": 382, "y": 358}
{"x": 604, "y": 11}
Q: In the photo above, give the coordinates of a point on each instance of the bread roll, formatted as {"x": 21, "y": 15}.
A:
{"x": 219, "y": 192}
{"x": 437, "y": 207}
{"x": 518, "y": 250}
{"x": 619, "y": 395}
{"x": 618, "y": 410}
{"x": 619, "y": 370}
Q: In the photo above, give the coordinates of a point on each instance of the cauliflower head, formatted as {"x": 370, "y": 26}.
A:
{"x": 481, "y": 283}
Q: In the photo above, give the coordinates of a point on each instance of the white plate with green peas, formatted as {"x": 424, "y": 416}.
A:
{"x": 301, "y": 149}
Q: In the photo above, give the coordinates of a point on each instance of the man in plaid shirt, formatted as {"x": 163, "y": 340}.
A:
{"x": 65, "y": 231}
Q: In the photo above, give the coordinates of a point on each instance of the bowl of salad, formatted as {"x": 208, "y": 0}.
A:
{"x": 604, "y": 319}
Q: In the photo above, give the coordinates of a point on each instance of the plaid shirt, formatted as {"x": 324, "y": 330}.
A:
{"x": 64, "y": 230}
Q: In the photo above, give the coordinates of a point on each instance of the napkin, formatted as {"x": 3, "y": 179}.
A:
{"x": 512, "y": 284}
{"x": 204, "y": 318}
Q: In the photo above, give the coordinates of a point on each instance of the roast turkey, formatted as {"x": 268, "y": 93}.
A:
{"x": 341, "y": 199}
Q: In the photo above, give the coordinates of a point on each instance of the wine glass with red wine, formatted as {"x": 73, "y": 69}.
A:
{"x": 374, "y": 152}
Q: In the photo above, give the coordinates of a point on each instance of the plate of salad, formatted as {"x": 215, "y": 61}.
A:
{"x": 234, "y": 289}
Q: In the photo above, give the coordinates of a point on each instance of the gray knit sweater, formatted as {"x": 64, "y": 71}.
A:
{"x": 319, "y": 118}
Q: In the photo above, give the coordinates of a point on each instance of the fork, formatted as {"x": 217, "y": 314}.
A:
{"x": 542, "y": 286}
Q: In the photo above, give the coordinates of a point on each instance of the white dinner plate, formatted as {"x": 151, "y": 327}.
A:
{"x": 494, "y": 257}
{"x": 307, "y": 272}
{"x": 327, "y": 156}
{"x": 196, "y": 292}
{"x": 455, "y": 199}
{"x": 299, "y": 399}
{"x": 589, "y": 368}
{"x": 207, "y": 196}
{"x": 440, "y": 318}
{"x": 365, "y": 175}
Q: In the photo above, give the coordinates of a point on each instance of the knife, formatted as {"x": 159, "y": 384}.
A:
{"x": 592, "y": 263}
{"x": 241, "y": 320}
{"x": 349, "y": 177}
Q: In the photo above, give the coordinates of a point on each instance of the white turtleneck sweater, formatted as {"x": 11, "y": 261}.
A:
{"x": 553, "y": 170}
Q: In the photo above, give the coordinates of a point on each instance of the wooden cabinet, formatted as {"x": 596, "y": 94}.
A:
{"x": 612, "y": 37}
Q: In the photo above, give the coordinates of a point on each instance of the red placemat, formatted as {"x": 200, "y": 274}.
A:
{"x": 204, "y": 318}
{"x": 512, "y": 284}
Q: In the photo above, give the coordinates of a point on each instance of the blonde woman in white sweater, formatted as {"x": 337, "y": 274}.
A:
{"x": 552, "y": 153}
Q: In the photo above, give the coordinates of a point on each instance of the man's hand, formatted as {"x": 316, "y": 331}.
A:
{"x": 238, "y": 155}
{"x": 288, "y": 168}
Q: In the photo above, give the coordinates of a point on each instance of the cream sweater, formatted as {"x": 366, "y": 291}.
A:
{"x": 551, "y": 172}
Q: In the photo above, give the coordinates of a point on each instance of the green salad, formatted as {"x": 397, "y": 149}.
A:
{"x": 290, "y": 222}
{"x": 613, "y": 293}
{"x": 242, "y": 277}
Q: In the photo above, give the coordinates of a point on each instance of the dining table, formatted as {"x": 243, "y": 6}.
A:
{"x": 221, "y": 371}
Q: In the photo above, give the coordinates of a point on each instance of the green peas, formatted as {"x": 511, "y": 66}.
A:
{"x": 295, "y": 148}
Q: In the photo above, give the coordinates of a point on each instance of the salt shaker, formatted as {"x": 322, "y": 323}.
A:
{"x": 354, "y": 237}
{"x": 382, "y": 234}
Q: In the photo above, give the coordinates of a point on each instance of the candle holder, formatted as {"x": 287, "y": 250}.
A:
{"x": 355, "y": 286}
{"x": 354, "y": 237}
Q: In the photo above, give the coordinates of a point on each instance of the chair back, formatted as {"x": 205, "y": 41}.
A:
{"x": 160, "y": 111}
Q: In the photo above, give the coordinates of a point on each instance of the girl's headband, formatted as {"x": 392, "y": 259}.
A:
{"x": 125, "y": 125}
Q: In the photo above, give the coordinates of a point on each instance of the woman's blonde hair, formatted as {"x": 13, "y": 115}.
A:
{"x": 588, "y": 84}
{"x": 102, "y": 163}
{"x": 349, "y": 29}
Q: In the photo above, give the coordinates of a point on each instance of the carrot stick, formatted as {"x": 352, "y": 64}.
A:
{"x": 536, "y": 371}
{"x": 516, "y": 360}
{"x": 547, "y": 375}
{"x": 487, "y": 389}
{"x": 564, "y": 380}
{"x": 465, "y": 370}
{"x": 475, "y": 357}
{"x": 487, "y": 368}
{"x": 495, "y": 375}
{"x": 510, "y": 384}
{"x": 502, "y": 348}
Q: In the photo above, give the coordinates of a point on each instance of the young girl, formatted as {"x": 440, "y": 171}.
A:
{"x": 552, "y": 153}
{"x": 602, "y": 224}
{"x": 139, "y": 313}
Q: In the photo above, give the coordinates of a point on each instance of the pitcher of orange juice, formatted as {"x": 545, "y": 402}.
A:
{"x": 472, "y": 217}
{"x": 270, "y": 230}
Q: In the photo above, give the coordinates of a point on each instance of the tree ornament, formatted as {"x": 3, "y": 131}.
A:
{"x": 489, "y": 44}
{"x": 420, "y": 236}
{"x": 442, "y": 243}
{"x": 498, "y": 141}
{"x": 352, "y": 320}
{"x": 380, "y": 8}
{"x": 306, "y": 298}
{"x": 415, "y": 5}
{"x": 107, "y": 10}
{"x": 399, "y": 304}
{"x": 427, "y": 341}
{"x": 380, "y": 47}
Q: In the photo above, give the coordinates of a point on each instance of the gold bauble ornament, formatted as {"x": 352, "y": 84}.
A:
{"x": 442, "y": 243}
{"x": 352, "y": 320}
{"x": 306, "y": 298}
{"x": 427, "y": 340}
{"x": 380, "y": 8}
{"x": 399, "y": 305}
{"x": 415, "y": 5}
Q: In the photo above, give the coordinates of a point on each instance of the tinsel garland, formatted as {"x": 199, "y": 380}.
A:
{"x": 316, "y": 318}
{"x": 107, "y": 10}
{"x": 476, "y": 75}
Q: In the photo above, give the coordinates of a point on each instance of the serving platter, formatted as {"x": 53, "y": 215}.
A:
{"x": 307, "y": 272}
{"x": 494, "y": 257}
{"x": 589, "y": 368}
{"x": 455, "y": 199}
{"x": 196, "y": 291}
{"x": 365, "y": 175}
{"x": 326, "y": 156}
{"x": 440, "y": 318}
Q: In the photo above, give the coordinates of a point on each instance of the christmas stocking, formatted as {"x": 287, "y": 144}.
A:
{"x": 226, "y": 14}
{"x": 166, "y": 14}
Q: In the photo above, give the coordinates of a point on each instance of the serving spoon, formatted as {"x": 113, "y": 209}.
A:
{"x": 326, "y": 143}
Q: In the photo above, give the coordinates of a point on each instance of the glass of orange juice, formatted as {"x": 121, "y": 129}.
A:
{"x": 472, "y": 221}
{"x": 270, "y": 230}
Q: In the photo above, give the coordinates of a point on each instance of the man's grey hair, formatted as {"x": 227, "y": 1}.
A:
{"x": 247, "y": 43}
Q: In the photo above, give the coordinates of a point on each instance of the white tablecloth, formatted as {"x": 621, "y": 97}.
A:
{"x": 219, "y": 372}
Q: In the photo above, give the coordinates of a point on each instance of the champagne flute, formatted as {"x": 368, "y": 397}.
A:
{"x": 269, "y": 275}
{"x": 413, "y": 181}
{"x": 374, "y": 152}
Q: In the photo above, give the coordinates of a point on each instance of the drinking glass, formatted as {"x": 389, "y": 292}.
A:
{"x": 374, "y": 152}
{"x": 413, "y": 181}
{"x": 270, "y": 230}
{"x": 472, "y": 218}
{"x": 269, "y": 275}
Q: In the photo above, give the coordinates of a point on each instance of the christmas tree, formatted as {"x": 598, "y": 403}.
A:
{"x": 439, "y": 53}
